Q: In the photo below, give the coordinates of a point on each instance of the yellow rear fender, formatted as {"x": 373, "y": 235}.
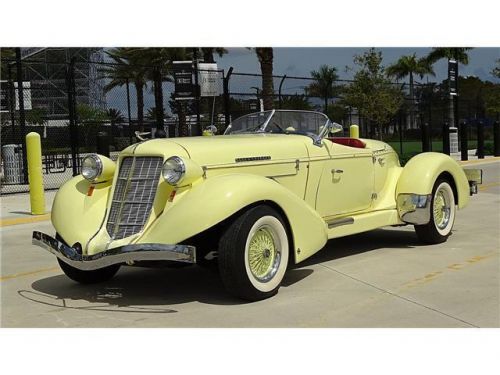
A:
{"x": 213, "y": 200}
{"x": 421, "y": 172}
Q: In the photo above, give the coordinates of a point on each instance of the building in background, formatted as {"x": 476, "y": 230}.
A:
{"x": 45, "y": 70}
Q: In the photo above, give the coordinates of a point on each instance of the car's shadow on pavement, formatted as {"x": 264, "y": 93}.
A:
{"x": 159, "y": 290}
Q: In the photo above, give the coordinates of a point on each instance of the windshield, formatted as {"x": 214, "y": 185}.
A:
{"x": 277, "y": 121}
{"x": 250, "y": 123}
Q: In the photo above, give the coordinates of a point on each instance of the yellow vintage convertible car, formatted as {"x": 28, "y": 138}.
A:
{"x": 268, "y": 193}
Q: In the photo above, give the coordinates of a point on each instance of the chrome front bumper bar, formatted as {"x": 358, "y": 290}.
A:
{"x": 414, "y": 208}
{"x": 124, "y": 254}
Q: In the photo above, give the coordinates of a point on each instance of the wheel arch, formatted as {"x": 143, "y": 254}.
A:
{"x": 422, "y": 171}
{"x": 222, "y": 197}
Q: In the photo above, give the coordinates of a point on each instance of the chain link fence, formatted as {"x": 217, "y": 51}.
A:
{"x": 69, "y": 103}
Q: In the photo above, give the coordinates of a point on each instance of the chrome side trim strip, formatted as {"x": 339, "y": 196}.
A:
{"x": 339, "y": 222}
{"x": 124, "y": 254}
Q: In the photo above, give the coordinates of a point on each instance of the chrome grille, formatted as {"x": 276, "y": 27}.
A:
{"x": 134, "y": 194}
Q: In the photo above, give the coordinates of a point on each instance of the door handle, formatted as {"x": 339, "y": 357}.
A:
{"x": 337, "y": 171}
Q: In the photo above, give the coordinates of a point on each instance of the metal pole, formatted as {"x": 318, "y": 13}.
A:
{"x": 197, "y": 129}
{"x": 463, "y": 141}
{"x": 227, "y": 102}
{"x": 446, "y": 138}
{"x": 12, "y": 101}
{"x": 496, "y": 138}
{"x": 279, "y": 90}
{"x": 73, "y": 131}
{"x": 400, "y": 123}
{"x": 425, "y": 137}
{"x": 128, "y": 112}
{"x": 480, "y": 140}
{"x": 22, "y": 118}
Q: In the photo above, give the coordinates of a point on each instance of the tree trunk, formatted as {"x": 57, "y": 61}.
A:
{"x": 412, "y": 103}
{"x": 326, "y": 105}
{"x": 208, "y": 55}
{"x": 158, "y": 90}
{"x": 140, "y": 104}
{"x": 265, "y": 56}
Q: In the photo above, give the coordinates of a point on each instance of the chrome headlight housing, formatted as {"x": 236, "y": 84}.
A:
{"x": 92, "y": 167}
{"x": 98, "y": 168}
{"x": 173, "y": 170}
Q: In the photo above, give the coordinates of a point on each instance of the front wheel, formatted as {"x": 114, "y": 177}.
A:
{"x": 253, "y": 254}
{"x": 89, "y": 277}
{"x": 443, "y": 210}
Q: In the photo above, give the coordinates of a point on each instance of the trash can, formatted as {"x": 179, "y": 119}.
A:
{"x": 453, "y": 139}
{"x": 12, "y": 157}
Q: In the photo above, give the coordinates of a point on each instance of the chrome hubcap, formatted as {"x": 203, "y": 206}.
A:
{"x": 264, "y": 254}
{"x": 441, "y": 209}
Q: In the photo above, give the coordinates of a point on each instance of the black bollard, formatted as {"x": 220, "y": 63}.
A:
{"x": 463, "y": 141}
{"x": 103, "y": 144}
{"x": 446, "y": 138}
{"x": 425, "y": 138}
{"x": 480, "y": 140}
{"x": 496, "y": 138}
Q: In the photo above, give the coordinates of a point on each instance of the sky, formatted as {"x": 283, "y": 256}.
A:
{"x": 301, "y": 61}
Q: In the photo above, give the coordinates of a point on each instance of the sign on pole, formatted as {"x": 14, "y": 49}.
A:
{"x": 207, "y": 79}
{"x": 183, "y": 80}
{"x": 26, "y": 95}
{"x": 452, "y": 77}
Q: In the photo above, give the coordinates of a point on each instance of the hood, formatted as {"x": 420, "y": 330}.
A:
{"x": 225, "y": 149}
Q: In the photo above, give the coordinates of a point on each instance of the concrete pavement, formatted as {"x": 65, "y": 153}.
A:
{"x": 383, "y": 278}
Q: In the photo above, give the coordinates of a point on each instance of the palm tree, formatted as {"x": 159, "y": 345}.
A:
{"x": 208, "y": 53}
{"x": 324, "y": 87}
{"x": 458, "y": 54}
{"x": 409, "y": 65}
{"x": 115, "y": 116}
{"x": 127, "y": 66}
{"x": 496, "y": 71}
{"x": 265, "y": 56}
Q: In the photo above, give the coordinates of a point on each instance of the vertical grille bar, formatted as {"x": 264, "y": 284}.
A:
{"x": 133, "y": 196}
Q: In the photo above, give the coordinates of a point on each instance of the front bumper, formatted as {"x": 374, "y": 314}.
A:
{"x": 124, "y": 254}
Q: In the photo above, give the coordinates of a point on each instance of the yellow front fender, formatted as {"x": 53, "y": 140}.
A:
{"x": 215, "y": 199}
{"x": 421, "y": 172}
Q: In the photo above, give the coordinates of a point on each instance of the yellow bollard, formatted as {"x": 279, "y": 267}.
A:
{"x": 354, "y": 131}
{"x": 34, "y": 156}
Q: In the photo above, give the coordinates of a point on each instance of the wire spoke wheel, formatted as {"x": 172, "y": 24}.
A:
{"x": 264, "y": 253}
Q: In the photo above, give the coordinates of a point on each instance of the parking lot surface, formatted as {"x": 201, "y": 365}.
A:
{"x": 383, "y": 278}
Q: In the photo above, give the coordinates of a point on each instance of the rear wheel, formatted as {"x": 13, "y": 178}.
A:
{"x": 443, "y": 209}
{"x": 253, "y": 254}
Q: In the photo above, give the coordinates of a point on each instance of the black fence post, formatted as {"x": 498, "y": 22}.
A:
{"x": 480, "y": 140}
{"x": 197, "y": 129}
{"x": 227, "y": 102}
{"x": 158, "y": 91}
{"x": 425, "y": 137}
{"x": 12, "y": 101}
{"x": 73, "y": 130}
{"x": 496, "y": 138}
{"x": 103, "y": 144}
{"x": 464, "y": 155}
{"x": 128, "y": 112}
{"x": 22, "y": 118}
{"x": 446, "y": 138}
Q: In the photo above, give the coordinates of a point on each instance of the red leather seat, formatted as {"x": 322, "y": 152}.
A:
{"x": 347, "y": 141}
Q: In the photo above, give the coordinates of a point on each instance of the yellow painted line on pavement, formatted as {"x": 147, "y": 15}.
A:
{"x": 493, "y": 159}
{"x": 16, "y": 275}
{"x": 24, "y": 220}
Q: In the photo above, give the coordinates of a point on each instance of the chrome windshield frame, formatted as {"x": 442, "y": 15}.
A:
{"x": 262, "y": 129}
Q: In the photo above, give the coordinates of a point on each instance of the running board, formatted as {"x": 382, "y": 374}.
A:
{"x": 338, "y": 222}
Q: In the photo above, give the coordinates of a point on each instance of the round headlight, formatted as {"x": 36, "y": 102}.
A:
{"x": 173, "y": 170}
{"x": 91, "y": 167}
